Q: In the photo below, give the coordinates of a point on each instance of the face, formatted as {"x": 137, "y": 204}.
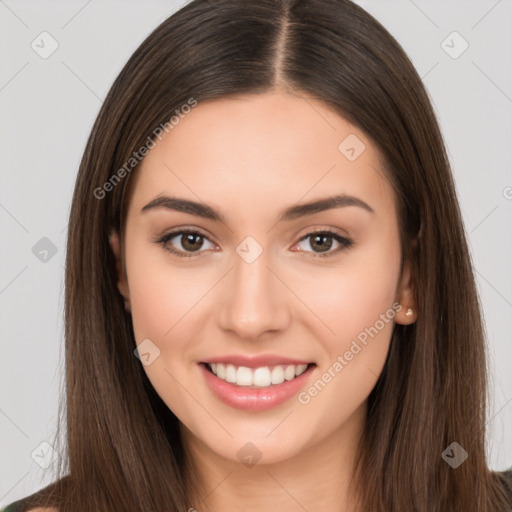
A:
{"x": 294, "y": 310}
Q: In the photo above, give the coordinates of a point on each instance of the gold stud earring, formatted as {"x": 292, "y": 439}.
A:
{"x": 409, "y": 312}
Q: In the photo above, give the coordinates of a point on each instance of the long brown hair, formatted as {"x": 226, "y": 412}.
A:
{"x": 124, "y": 450}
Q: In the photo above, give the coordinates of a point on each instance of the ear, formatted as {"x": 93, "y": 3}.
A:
{"x": 122, "y": 282}
{"x": 405, "y": 296}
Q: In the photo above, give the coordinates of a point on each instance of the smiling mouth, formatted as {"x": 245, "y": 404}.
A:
{"x": 257, "y": 378}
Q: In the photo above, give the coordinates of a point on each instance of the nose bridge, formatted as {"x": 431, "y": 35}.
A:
{"x": 254, "y": 303}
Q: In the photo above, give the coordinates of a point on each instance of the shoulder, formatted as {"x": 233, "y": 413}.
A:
{"x": 506, "y": 478}
{"x": 43, "y": 500}
{"x": 506, "y": 475}
{"x": 23, "y": 505}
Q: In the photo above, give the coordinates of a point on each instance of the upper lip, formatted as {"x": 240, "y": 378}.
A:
{"x": 256, "y": 361}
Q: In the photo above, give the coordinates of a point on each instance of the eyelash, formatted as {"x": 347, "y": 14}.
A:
{"x": 344, "y": 242}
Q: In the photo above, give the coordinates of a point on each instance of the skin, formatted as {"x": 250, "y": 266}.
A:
{"x": 250, "y": 157}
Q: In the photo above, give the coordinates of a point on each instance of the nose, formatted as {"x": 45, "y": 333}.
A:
{"x": 254, "y": 300}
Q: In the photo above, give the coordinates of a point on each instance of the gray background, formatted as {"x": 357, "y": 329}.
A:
{"x": 48, "y": 107}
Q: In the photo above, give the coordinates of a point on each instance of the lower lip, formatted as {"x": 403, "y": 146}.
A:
{"x": 253, "y": 399}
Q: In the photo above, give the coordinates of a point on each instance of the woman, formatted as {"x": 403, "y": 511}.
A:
{"x": 269, "y": 297}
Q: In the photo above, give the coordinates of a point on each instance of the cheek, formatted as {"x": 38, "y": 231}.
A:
{"x": 355, "y": 301}
{"x": 162, "y": 309}
{"x": 162, "y": 296}
{"x": 353, "y": 294}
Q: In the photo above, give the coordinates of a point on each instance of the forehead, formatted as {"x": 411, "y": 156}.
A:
{"x": 263, "y": 150}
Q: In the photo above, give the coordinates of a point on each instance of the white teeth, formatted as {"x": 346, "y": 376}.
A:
{"x": 277, "y": 375}
{"x": 289, "y": 373}
{"x": 263, "y": 377}
{"x": 221, "y": 371}
{"x": 244, "y": 376}
{"x": 230, "y": 373}
{"x": 300, "y": 369}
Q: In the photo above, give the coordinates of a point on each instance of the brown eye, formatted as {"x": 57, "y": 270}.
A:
{"x": 322, "y": 241}
{"x": 190, "y": 241}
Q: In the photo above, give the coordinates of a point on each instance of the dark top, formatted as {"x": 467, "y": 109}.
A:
{"x": 24, "y": 504}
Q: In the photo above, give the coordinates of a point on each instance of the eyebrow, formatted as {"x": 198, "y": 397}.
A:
{"x": 291, "y": 213}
